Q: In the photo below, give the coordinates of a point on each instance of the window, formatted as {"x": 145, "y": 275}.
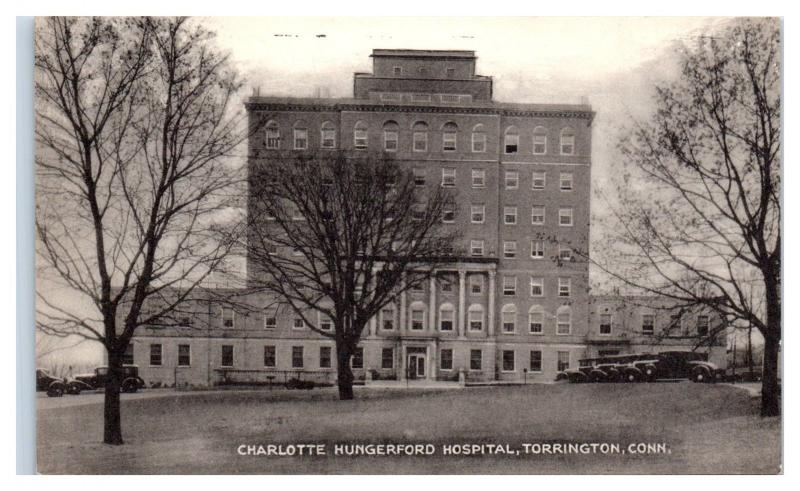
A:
{"x": 478, "y": 139}
{"x": 537, "y": 215}
{"x": 297, "y": 357}
{"x": 539, "y": 141}
{"x": 325, "y": 357}
{"x": 419, "y": 177}
{"x": 300, "y": 137}
{"x": 327, "y": 135}
{"x": 446, "y": 284}
{"x": 450, "y": 72}
{"x": 421, "y": 97}
{"x": 397, "y": 71}
{"x": 298, "y": 323}
{"x": 475, "y": 359}
{"x": 228, "y": 317}
{"x": 449, "y": 137}
{"x": 448, "y": 178}
{"x": 509, "y": 286}
{"x": 563, "y": 320}
{"x": 538, "y": 180}
{"x": 360, "y": 135}
{"x": 155, "y": 355}
{"x": 563, "y": 361}
{"x": 605, "y": 324}
{"x": 387, "y": 358}
{"x": 390, "y": 136}
{"x": 423, "y": 71}
{"x": 272, "y": 248}
{"x": 567, "y": 141}
{"x": 477, "y": 213}
{"x": 446, "y": 359}
{"x": 478, "y": 178}
{"x": 446, "y": 317}
{"x": 270, "y": 320}
{"x": 511, "y": 144}
{"x": 226, "y": 351}
{"x": 510, "y": 249}
{"x": 536, "y": 320}
{"x": 509, "y": 315}
{"x": 565, "y": 181}
{"x": 273, "y": 136}
{"x": 325, "y": 322}
{"x": 476, "y": 247}
{"x": 512, "y": 179}
{"x": 476, "y": 284}
{"x": 184, "y": 355}
{"x": 509, "y": 364}
{"x": 357, "y": 361}
{"x": 269, "y": 356}
{"x": 536, "y": 361}
{"x": 537, "y": 287}
{"x": 537, "y": 249}
{"x": 565, "y": 253}
{"x": 418, "y": 212}
{"x": 387, "y": 319}
{"x": 420, "y": 137}
{"x": 417, "y": 318}
{"x": 510, "y": 215}
{"x": 475, "y": 317}
{"x": 565, "y": 217}
{"x": 564, "y": 287}
{"x": 418, "y": 287}
{"x": 648, "y": 324}
{"x": 702, "y": 325}
{"x": 127, "y": 357}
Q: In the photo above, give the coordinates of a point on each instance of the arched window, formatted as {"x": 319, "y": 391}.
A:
{"x": 300, "y": 134}
{"x": 447, "y": 316}
{"x": 478, "y": 139}
{"x": 509, "y": 314}
{"x": 536, "y": 320}
{"x": 417, "y": 316}
{"x": 475, "y": 317}
{"x": 539, "y": 140}
{"x": 449, "y": 137}
{"x": 327, "y": 135}
{"x": 567, "y": 141}
{"x": 420, "y": 136}
{"x": 360, "y": 135}
{"x": 511, "y": 144}
{"x": 273, "y": 135}
{"x": 563, "y": 320}
{"x": 390, "y": 132}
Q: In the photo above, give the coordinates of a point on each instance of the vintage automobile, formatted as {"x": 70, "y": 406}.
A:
{"x": 131, "y": 382}
{"x": 673, "y": 365}
{"x": 54, "y": 386}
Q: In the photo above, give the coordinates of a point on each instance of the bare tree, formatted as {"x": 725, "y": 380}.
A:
{"x": 699, "y": 211}
{"x": 343, "y": 236}
{"x": 134, "y": 130}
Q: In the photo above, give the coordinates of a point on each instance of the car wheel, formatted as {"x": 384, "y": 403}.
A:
{"x": 632, "y": 377}
{"x": 701, "y": 376}
{"x": 650, "y": 373}
{"x": 130, "y": 386}
{"x": 73, "y": 389}
{"x": 55, "y": 390}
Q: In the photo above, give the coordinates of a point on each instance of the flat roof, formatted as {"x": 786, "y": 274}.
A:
{"x": 424, "y": 53}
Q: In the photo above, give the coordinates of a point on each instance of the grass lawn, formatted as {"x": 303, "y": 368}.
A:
{"x": 707, "y": 429}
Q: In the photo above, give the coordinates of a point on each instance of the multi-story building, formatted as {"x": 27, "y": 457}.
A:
{"x": 516, "y": 306}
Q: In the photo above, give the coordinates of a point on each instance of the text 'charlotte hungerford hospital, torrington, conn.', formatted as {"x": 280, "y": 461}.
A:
{"x": 516, "y": 306}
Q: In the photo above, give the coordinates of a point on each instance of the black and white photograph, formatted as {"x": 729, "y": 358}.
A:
{"x": 407, "y": 245}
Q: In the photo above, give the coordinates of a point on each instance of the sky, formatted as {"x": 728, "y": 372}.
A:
{"x": 613, "y": 62}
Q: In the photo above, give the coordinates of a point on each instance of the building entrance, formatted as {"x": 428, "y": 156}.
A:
{"x": 416, "y": 360}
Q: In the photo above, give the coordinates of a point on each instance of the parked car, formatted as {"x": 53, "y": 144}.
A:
{"x": 45, "y": 382}
{"x": 131, "y": 382}
{"x": 673, "y": 365}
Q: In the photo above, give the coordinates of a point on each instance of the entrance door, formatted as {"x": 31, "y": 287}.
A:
{"x": 416, "y": 366}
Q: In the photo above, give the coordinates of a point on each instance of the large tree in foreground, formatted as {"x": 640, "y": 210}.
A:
{"x": 698, "y": 216}
{"x": 343, "y": 236}
{"x": 133, "y": 129}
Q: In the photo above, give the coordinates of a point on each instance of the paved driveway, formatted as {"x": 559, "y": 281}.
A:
{"x": 96, "y": 397}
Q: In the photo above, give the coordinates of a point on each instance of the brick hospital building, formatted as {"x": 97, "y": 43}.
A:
{"x": 516, "y": 307}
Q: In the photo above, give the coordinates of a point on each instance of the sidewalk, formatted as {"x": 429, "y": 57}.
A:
{"x": 752, "y": 388}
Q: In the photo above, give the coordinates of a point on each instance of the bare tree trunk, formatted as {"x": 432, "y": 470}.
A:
{"x": 112, "y": 421}
{"x": 750, "y": 350}
{"x": 770, "y": 391}
{"x": 345, "y": 374}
